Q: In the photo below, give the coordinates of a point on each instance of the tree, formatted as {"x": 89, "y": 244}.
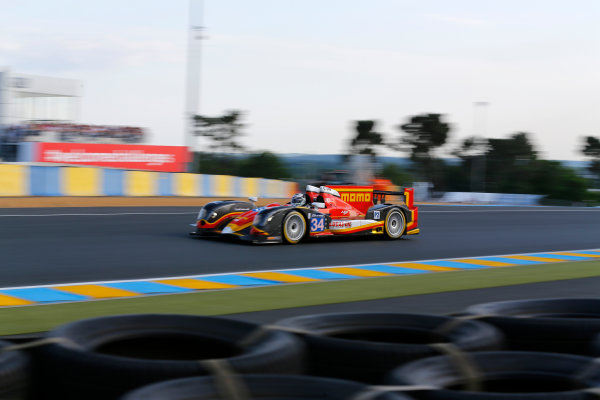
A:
{"x": 396, "y": 174}
{"x": 423, "y": 134}
{"x": 223, "y": 132}
{"x": 592, "y": 150}
{"x": 470, "y": 174}
{"x": 556, "y": 181}
{"x": 262, "y": 165}
{"x": 505, "y": 161}
{"x": 366, "y": 139}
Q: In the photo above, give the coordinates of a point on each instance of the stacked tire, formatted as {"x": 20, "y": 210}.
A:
{"x": 366, "y": 346}
{"x": 551, "y": 345}
{"x": 563, "y": 325}
{"x": 526, "y": 349}
{"x": 258, "y": 387}
{"x": 14, "y": 373}
{"x": 502, "y": 375}
{"x": 103, "y": 358}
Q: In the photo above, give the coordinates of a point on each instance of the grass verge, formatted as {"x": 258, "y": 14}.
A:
{"x": 44, "y": 317}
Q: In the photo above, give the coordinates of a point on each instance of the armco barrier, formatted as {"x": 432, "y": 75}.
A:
{"x": 29, "y": 180}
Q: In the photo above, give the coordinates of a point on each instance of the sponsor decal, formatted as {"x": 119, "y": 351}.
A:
{"x": 141, "y": 157}
{"x": 317, "y": 223}
{"x": 340, "y": 224}
{"x": 376, "y": 214}
{"x": 242, "y": 209}
{"x": 356, "y": 197}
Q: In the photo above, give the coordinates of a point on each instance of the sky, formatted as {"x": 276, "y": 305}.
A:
{"x": 303, "y": 71}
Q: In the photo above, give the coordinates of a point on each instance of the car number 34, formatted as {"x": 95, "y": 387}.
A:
{"x": 317, "y": 224}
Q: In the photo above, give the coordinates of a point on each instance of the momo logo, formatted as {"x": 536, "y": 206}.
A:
{"x": 356, "y": 197}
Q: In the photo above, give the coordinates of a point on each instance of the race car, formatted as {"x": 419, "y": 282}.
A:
{"x": 319, "y": 212}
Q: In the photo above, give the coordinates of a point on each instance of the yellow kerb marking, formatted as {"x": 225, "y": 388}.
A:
{"x": 280, "y": 277}
{"x": 485, "y": 262}
{"x": 196, "y": 284}
{"x": 356, "y": 271}
{"x": 12, "y": 301}
{"x": 532, "y": 258}
{"x": 425, "y": 267}
{"x": 96, "y": 291}
{"x": 578, "y": 254}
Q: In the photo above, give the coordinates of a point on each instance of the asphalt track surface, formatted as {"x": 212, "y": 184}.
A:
{"x": 53, "y": 245}
{"x": 439, "y": 303}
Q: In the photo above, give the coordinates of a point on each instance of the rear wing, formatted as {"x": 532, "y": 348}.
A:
{"x": 364, "y": 197}
{"x": 379, "y": 196}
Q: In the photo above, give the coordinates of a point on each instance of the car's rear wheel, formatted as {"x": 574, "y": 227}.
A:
{"x": 395, "y": 224}
{"x": 294, "y": 227}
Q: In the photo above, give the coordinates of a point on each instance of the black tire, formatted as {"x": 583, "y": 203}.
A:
{"x": 503, "y": 375}
{"x": 14, "y": 373}
{"x": 293, "y": 227}
{"x": 395, "y": 224}
{"x": 595, "y": 346}
{"x": 366, "y": 346}
{"x": 552, "y": 325}
{"x": 113, "y": 355}
{"x": 260, "y": 387}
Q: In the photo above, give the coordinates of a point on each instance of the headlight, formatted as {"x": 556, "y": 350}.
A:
{"x": 202, "y": 213}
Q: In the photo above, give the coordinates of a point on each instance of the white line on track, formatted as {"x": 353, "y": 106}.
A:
{"x": 91, "y": 214}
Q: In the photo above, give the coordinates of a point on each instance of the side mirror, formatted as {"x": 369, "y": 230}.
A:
{"x": 318, "y": 205}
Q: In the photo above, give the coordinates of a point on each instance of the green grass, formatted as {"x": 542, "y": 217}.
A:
{"x": 40, "y": 318}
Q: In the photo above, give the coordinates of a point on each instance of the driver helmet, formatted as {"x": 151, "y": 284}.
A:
{"x": 298, "y": 200}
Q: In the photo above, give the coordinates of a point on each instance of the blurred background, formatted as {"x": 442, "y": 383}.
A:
{"x": 465, "y": 101}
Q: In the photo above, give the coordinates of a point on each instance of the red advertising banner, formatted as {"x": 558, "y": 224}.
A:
{"x": 127, "y": 156}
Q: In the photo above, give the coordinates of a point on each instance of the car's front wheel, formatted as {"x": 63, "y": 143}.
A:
{"x": 294, "y": 227}
{"x": 395, "y": 224}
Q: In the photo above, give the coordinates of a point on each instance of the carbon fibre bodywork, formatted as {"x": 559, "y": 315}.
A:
{"x": 215, "y": 216}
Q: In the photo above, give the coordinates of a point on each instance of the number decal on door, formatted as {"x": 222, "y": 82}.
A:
{"x": 317, "y": 223}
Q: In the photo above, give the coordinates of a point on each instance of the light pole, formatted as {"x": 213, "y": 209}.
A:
{"x": 192, "y": 87}
{"x": 479, "y": 128}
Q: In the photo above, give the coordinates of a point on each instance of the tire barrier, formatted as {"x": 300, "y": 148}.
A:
{"x": 14, "y": 372}
{"x": 561, "y": 325}
{"x": 103, "y": 358}
{"x": 366, "y": 346}
{"x": 502, "y": 375}
{"x": 259, "y": 387}
{"x": 418, "y": 356}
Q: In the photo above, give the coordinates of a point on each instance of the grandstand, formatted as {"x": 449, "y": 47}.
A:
{"x": 36, "y": 108}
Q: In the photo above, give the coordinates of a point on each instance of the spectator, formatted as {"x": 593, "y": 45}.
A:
{"x": 67, "y": 132}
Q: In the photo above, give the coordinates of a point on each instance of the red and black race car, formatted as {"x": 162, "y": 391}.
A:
{"x": 319, "y": 212}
